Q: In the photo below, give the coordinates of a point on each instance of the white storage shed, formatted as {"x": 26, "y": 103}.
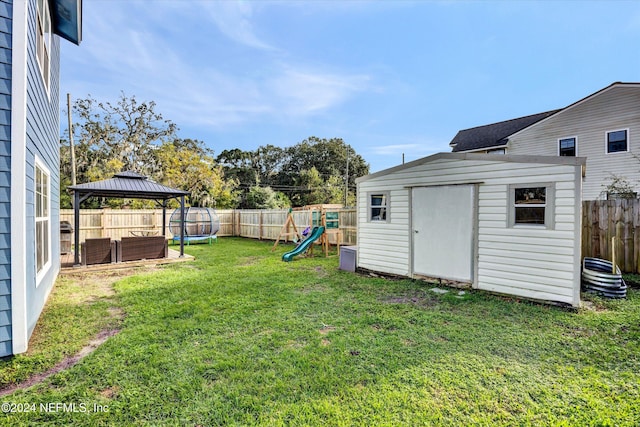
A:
{"x": 501, "y": 223}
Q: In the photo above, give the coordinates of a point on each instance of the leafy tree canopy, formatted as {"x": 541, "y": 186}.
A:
{"x": 309, "y": 172}
{"x": 131, "y": 135}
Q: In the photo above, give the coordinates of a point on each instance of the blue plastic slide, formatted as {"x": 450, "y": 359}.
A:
{"x": 315, "y": 235}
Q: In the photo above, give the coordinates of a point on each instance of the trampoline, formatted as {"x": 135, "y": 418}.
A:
{"x": 200, "y": 224}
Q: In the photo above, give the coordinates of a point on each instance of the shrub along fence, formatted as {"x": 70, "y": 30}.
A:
{"x": 603, "y": 220}
{"x": 263, "y": 224}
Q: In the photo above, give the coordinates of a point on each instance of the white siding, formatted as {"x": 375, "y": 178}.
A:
{"x": 529, "y": 262}
{"x": 613, "y": 109}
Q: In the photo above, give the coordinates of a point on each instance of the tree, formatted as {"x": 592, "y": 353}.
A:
{"x": 129, "y": 135}
{"x": 265, "y": 198}
{"x": 185, "y": 164}
{"x": 126, "y": 132}
{"x": 288, "y": 170}
{"x": 310, "y": 188}
{"x": 329, "y": 158}
{"x": 237, "y": 165}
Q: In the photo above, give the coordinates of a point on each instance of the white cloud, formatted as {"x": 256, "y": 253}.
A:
{"x": 233, "y": 19}
{"x": 141, "y": 59}
{"x": 301, "y": 92}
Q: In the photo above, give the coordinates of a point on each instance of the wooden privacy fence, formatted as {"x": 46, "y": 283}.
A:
{"x": 264, "y": 224}
{"x": 604, "y": 219}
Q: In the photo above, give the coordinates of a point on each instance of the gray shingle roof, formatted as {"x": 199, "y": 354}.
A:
{"x": 128, "y": 184}
{"x": 495, "y": 134}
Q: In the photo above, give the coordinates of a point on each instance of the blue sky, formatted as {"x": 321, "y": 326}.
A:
{"x": 389, "y": 77}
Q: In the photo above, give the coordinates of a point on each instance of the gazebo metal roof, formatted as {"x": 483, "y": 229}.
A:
{"x": 131, "y": 185}
{"x": 128, "y": 185}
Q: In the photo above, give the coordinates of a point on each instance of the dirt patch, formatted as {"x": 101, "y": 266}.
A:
{"x": 249, "y": 260}
{"x": 321, "y": 272}
{"x": 312, "y": 288}
{"x": 110, "y": 393}
{"x": 67, "y": 363}
{"x": 419, "y": 299}
{"x": 101, "y": 283}
{"x": 326, "y": 329}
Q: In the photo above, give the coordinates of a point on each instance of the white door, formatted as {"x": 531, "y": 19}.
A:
{"x": 443, "y": 226}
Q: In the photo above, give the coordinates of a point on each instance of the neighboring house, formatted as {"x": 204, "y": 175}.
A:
{"x": 29, "y": 159}
{"x": 505, "y": 224}
{"x": 603, "y": 127}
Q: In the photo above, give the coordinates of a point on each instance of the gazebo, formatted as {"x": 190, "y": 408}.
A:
{"x": 129, "y": 185}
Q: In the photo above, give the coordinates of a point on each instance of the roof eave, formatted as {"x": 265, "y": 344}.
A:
{"x": 576, "y": 161}
{"x": 575, "y": 104}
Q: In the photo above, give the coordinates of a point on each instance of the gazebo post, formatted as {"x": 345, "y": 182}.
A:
{"x": 76, "y": 226}
{"x": 164, "y": 217}
{"x": 182, "y": 219}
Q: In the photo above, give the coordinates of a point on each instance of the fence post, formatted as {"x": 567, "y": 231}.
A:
{"x": 103, "y": 223}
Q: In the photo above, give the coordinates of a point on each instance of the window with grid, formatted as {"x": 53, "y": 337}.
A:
{"x": 43, "y": 222}
{"x": 378, "y": 206}
{"x": 532, "y": 205}
{"x": 43, "y": 40}
{"x": 567, "y": 147}
{"x": 617, "y": 141}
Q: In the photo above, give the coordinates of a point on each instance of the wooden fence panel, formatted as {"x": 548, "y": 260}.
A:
{"x": 256, "y": 224}
{"x": 604, "y": 219}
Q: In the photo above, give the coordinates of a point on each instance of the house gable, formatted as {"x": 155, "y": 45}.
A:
{"x": 616, "y": 107}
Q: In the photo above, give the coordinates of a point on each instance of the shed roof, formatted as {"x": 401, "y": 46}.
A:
{"x": 128, "y": 184}
{"x": 553, "y": 160}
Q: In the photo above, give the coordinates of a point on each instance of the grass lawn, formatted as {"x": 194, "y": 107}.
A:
{"x": 239, "y": 337}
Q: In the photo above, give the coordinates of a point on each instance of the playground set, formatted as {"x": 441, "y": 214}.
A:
{"x": 322, "y": 228}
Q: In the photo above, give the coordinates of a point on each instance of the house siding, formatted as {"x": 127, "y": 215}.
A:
{"x": 615, "y": 108}
{"x": 6, "y": 14}
{"x": 530, "y": 262}
{"x": 42, "y": 140}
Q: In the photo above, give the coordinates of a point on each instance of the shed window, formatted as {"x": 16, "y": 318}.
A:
{"x": 567, "y": 147}
{"x": 531, "y": 205}
{"x": 43, "y": 222}
{"x": 617, "y": 141}
{"x": 378, "y": 206}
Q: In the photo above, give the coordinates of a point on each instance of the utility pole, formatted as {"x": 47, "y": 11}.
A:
{"x": 71, "y": 146}
{"x": 346, "y": 182}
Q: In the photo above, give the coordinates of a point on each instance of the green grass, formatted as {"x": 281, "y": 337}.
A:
{"x": 77, "y": 310}
{"x": 239, "y": 337}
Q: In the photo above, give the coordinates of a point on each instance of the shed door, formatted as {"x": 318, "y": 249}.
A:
{"x": 443, "y": 226}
